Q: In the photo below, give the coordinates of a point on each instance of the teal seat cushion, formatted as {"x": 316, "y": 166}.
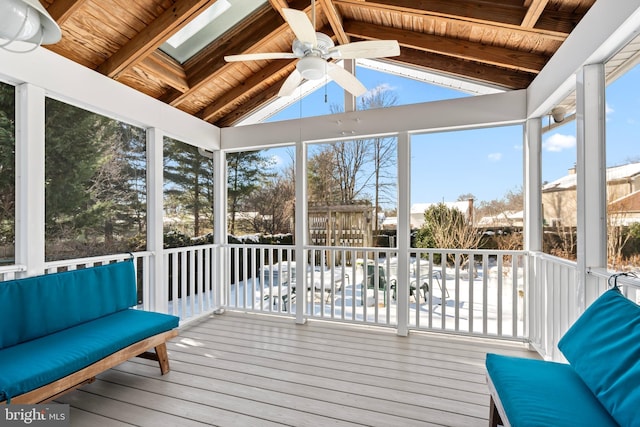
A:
{"x": 537, "y": 393}
{"x": 37, "y": 306}
{"x": 603, "y": 347}
{"x": 27, "y": 366}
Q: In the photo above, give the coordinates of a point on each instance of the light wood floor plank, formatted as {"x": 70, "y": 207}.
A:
{"x": 242, "y": 369}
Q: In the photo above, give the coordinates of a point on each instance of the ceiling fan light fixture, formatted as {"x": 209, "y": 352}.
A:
{"x": 311, "y": 67}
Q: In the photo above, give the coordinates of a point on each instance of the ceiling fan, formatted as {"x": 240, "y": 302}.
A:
{"x": 314, "y": 50}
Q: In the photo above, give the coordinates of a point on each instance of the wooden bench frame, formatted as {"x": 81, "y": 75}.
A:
{"x": 87, "y": 375}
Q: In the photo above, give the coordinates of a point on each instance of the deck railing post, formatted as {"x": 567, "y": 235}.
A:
{"x": 533, "y": 218}
{"x": 301, "y": 231}
{"x": 159, "y": 284}
{"x": 30, "y": 179}
{"x": 404, "y": 230}
{"x": 591, "y": 184}
{"x": 221, "y": 262}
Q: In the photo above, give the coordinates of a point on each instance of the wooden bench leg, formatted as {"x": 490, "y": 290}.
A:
{"x": 163, "y": 358}
{"x": 494, "y": 416}
{"x": 160, "y": 356}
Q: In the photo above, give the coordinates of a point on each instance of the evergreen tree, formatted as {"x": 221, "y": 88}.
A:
{"x": 73, "y": 155}
{"x": 189, "y": 183}
{"x": 246, "y": 172}
{"x": 7, "y": 163}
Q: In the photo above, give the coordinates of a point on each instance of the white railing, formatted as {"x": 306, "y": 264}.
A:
{"x": 361, "y": 284}
{"x": 471, "y": 292}
{"x": 189, "y": 280}
{"x": 259, "y": 278}
{"x": 553, "y": 302}
{"x": 629, "y": 285}
{"x": 8, "y": 272}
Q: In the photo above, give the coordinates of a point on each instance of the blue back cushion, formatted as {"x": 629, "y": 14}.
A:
{"x": 603, "y": 347}
{"x": 38, "y": 306}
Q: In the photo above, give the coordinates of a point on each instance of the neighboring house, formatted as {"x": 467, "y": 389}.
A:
{"x": 503, "y": 219}
{"x": 625, "y": 210}
{"x": 418, "y": 210}
{"x": 623, "y": 182}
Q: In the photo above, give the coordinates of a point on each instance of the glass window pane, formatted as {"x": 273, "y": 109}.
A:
{"x": 95, "y": 184}
{"x": 188, "y": 195}
{"x": 473, "y": 178}
{"x": 623, "y": 171}
{"x": 352, "y": 189}
{"x": 559, "y": 196}
{"x": 261, "y": 194}
{"x": 7, "y": 174}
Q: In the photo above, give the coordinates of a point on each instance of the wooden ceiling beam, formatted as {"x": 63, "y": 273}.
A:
{"x": 61, "y": 10}
{"x": 335, "y": 21}
{"x": 495, "y": 76}
{"x": 213, "y": 112}
{"x": 463, "y": 49}
{"x": 145, "y": 42}
{"x": 474, "y": 10}
{"x": 534, "y": 11}
{"x": 205, "y": 66}
{"x": 554, "y": 24}
{"x": 249, "y": 36}
{"x": 278, "y": 5}
{"x": 166, "y": 69}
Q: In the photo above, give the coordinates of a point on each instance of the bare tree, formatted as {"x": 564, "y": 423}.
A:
{"x": 384, "y": 151}
{"x": 617, "y": 230}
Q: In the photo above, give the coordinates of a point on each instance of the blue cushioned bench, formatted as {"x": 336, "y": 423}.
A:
{"x": 599, "y": 387}
{"x": 58, "y": 331}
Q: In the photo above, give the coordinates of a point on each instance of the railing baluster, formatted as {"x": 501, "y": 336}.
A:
{"x": 456, "y": 310}
{"x": 485, "y": 292}
{"x": 499, "y": 292}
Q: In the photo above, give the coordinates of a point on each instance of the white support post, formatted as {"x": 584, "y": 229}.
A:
{"x": 301, "y": 228}
{"x": 349, "y": 99}
{"x": 591, "y": 179}
{"x": 533, "y": 219}
{"x": 533, "y": 216}
{"x": 403, "y": 232}
{"x": 221, "y": 263}
{"x": 155, "y": 214}
{"x": 30, "y": 179}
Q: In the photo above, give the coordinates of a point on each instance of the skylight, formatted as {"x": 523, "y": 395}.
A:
{"x": 208, "y": 26}
{"x": 205, "y": 18}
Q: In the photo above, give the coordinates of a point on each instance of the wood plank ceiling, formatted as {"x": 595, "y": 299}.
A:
{"x": 504, "y": 43}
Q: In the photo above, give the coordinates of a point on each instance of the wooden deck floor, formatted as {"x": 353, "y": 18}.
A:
{"x": 249, "y": 370}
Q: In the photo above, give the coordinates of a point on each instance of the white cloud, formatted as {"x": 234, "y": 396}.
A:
{"x": 518, "y": 147}
{"x": 382, "y": 87}
{"x": 608, "y": 109}
{"x": 558, "y": 142}
{"x": 494, "y": 157}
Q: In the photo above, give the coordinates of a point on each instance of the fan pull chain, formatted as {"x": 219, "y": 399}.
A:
{"x": 326, "y": 82}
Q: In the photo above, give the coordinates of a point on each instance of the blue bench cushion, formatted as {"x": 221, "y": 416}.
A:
{"x": 35, "y": 363}
{"x": 37, "y": 306}
{"x": 539, "y": 393}
{"x": 603, "y": 347}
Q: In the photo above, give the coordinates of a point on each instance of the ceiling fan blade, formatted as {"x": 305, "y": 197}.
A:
{"x": 366, "y": 49}
{"x": 301, "y": 26}
{"x": 291, "y": 83}
{"x": 259, "y": 56}
{"x": 346, "y": 80}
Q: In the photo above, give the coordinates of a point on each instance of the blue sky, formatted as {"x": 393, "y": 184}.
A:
{"x": 487, "y": 162}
